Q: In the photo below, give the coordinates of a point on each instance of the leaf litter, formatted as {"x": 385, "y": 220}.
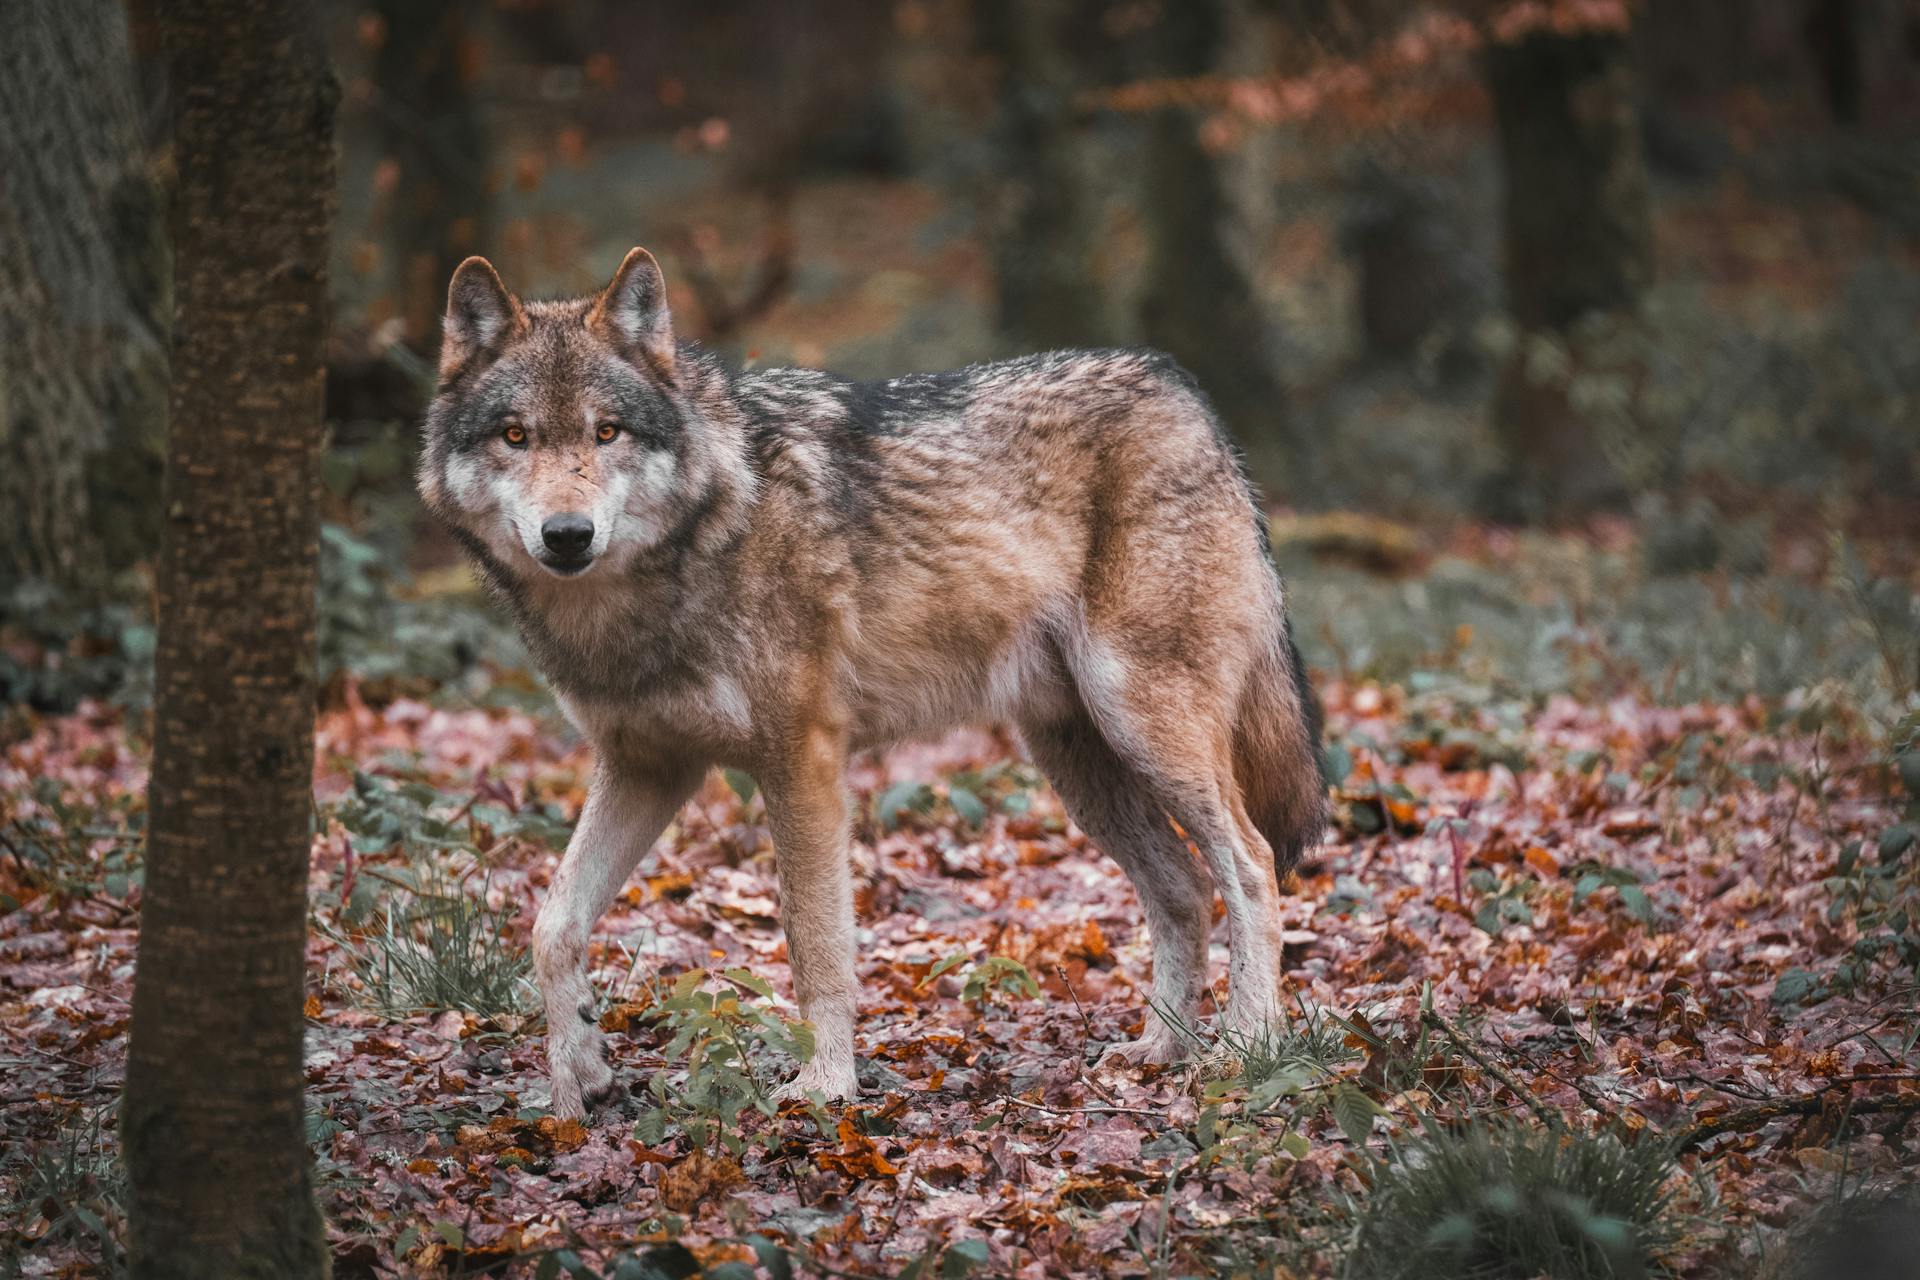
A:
{"x": 1606, "y": 917}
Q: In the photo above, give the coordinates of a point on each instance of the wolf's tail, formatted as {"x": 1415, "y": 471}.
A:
{"x": 1276, "y": 753}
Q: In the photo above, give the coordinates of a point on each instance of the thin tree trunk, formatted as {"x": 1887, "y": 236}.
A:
{"x": 431, "y": 128}
{"x": 1199, "y": 302}
{"x": 83, "y": 285}
{"x": 1578, "y": 221}
{"x": 1579, "y": 245}
{"x": 1050, "y": 293}
{"x": 1833, "y": 37}
{"x": 212, "y": 1120}
{"x": 1413, "y": 266}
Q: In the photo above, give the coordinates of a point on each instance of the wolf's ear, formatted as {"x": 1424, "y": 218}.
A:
{"x": 633, "y": 311}
{"x": 480, "y": 312}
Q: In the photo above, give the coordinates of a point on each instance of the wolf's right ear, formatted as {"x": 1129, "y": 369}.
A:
{"x": 480, "y": 312}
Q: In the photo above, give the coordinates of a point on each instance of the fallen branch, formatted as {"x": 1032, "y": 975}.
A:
{"x": 1598, "y": 1105}
{"x": 1805, "y": 1105}
{"x": 1084, "y": 1111}
{"x": 1548, "y": 1115}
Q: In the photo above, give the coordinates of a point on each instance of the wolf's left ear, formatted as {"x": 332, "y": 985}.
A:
{"x": 633, "y": 311}
{"x": 480, "y": 313}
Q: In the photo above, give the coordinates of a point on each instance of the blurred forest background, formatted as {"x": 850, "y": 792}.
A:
{"x": 1572, "y": 344}
{"x": 1643, "y": 273}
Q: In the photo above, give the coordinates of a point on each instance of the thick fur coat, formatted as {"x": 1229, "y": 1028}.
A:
{"x": 769, "y": 570}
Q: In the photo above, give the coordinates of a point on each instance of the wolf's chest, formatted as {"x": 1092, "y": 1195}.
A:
{"x": 709, "y": 720}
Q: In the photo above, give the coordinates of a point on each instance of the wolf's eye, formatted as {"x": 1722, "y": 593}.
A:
{"x": 515, "y": 435}
{"x": 607, "y": 432}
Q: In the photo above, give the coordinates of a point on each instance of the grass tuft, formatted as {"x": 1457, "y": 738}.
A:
{"x": 437, "y": 948}
{"x": 71, "y": 1189}
{"x": 1503, "y": 1202}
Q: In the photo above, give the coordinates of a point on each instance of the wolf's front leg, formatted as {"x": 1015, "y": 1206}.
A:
{"x": 807, "y": 810}
{"x": 625, "y": 813}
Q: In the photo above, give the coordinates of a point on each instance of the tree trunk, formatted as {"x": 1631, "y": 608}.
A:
{"x": 1199, "y": 302}
{"x": 1833, "y": 36}
{"x": 83, "y": 301}
{"x": 212, "y": 1120}
{"x": 431, "y": 130}
{"x": 1050, "y": 293}
{"x": 1414, "y": 268}
{"x": 1579, "y": 245}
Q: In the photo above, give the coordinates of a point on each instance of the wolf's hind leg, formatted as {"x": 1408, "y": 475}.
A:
{"x": 624, "y": 814}
{"x": 1177, "y": 732}
{"x": 807, "y": 812}
{"x": 1112, "y": 803}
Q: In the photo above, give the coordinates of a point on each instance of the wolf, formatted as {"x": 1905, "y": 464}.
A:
{"x": 772, "y": 569}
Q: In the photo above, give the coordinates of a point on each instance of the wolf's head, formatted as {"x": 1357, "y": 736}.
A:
{"x": 563, "y": 435}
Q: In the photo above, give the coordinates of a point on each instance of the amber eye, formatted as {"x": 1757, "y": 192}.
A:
{"x": 607, "y": 432}
{"x": 515, "y": 435}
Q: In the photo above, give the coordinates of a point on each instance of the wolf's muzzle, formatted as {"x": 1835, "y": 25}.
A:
{"x": 569, "y": 541}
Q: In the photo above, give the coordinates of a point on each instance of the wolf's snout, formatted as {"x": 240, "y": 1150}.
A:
{"x": 568, "y": 534}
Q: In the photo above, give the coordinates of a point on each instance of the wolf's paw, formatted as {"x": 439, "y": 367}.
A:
{"x": 582, "y": 1079}
{"x": 1158, "y": 1046}
{"x": 832, "y": 1084}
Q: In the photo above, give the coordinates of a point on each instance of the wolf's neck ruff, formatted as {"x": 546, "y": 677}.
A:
{"x": 786, "y": 566}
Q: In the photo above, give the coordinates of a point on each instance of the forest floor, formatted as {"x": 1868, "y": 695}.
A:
{"x": 1645, "y": 930}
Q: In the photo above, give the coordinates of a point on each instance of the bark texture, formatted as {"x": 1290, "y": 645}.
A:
{"x": 1578, "y": 224}
{"x": 83, "y": 300}
{"x": 212, "y": 1121}
{"x": 1414, "y": 266}
{"x": 431, "y": 129}
{"x": 1198, "y": 302}
{"x": 1579, "y": 251}
{"x": 1050, "y": 290}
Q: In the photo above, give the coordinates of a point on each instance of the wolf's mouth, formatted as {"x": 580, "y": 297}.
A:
{"x": 565, "y": 568}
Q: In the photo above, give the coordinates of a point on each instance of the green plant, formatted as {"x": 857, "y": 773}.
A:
{"x": 376, "y": 621}
{"x": 386, "y": 816}
{"x": 726, "y": 1047}
{"x": 439, "y": 945}
{"x": 70, "y": 846}
{"x": 1500, "y": 1200}
{"x": 1278, "y": 1060}
{"x": 1877, "y": 889}
{"x": 1503, "y": 900}
{"x": 1591, "y": 878}
{"x": 1859, "y": 1232}
{"x": 76, "y": 1184}
{"x": 988, "y": 981}
{"x": 1007, "y": 786}
{"x": 59, "y": 648}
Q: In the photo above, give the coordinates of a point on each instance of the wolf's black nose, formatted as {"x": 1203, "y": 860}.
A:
{"x": 568, "y": 534}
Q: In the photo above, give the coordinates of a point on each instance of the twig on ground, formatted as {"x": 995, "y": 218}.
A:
{"x": 1600, "y": 1106}
{"x": 1805, "y": 1105}
{"x": 1083, "y": 1111}
{"x": 1548, "y": 1115}
{"x": 1086, "y": 1035}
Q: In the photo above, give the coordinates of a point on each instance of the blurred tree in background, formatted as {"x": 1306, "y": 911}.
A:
{"x": 1047, "y": 276}
{"x": 1579, "y": 250}
{"x": 83, "y": 301}
{"x": 1200, "y": 302}
{"x": 434, "y": 151}
{"x": 1537, "y": 261}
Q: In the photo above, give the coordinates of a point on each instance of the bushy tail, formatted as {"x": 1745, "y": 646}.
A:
{"x": 1276, "y": 753}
